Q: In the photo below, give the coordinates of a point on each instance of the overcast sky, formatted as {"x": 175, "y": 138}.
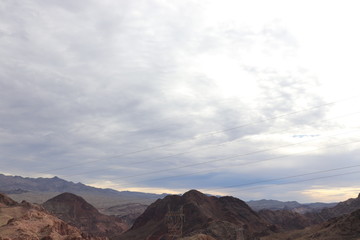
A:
{"x": 255, "y": 99}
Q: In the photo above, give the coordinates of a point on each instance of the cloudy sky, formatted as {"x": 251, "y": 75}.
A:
{"x": 255, "y": 99}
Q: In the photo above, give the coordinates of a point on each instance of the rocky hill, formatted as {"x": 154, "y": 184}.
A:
{"x": 218, "y": 218}
{"x": 28, "y": 221}
{"x": 346, "y": 227}
{"x": 5, "y": 201}
{"x": 341, "y": 208}
{"x": 79, "y": 213}
{"x": 286, "y": 220}
{"x": 339, "y": 222}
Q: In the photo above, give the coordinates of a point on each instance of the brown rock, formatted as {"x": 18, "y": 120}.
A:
{"x": 79, "y": 213}
{"x": 346, "y": 227}
{"x": 6, "y": 201}
{"x": 285, "y": 219}
{"x": 28, "y": 221}
{"x": 199, "y": 237}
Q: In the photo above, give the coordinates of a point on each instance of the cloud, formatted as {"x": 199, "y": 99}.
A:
{"x": 331, "y": 194}
{"x": 120, "y": 93}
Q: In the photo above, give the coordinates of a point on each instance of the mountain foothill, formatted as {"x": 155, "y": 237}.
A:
{"x": 53, "y": 208}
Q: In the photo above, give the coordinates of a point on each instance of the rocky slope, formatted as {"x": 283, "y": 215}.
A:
{"x": 285, "y": 219}
{"x": 291, "y": 219}
{"x": 339, "y": 222}
{"x": 29, "y": 221}
{"x": 79, "y": 213}
{"x": 199, "y": 237}
{"x": 346, "y": 227}
{"x": 219, "y": 218}
{"x": 127, "y": 212}
{"x": 341, "y": 208}
{"x": 5, "y": 201}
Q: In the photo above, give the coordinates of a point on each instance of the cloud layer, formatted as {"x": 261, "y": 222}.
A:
{"x": 169, "y": 96}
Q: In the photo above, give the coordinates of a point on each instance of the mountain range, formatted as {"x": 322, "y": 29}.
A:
{"x": 125, "y": 204}
{"x": 39, "y": 190}
{"x": 190, "y": 216}
{"x": 258, "y": 205}
{"x": 20, "y": 185}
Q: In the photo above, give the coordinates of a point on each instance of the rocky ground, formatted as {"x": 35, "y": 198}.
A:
{"x": 28, "y": 221}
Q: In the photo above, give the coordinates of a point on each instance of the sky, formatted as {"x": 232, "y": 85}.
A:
{"x": 254, "y": 99}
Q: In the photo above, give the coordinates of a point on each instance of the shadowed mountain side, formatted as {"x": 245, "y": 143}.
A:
{"x": 345, "y": 207}
{"x": 127, "y": 212}
{"x": 77, "y": 212}
{"x": 346, "y": 227}
{"x": 220, "y": 218}
{"x": 6, "y": 201}
{"x": 341, "y": 208}
{"x": 29, "y": 221}
{"x": 291, "y": 219}
{"x": 285, "y": 219}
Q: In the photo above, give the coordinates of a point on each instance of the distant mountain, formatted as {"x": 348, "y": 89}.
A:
{"x": 28, "y": 221}
{"x": 79, "y": 213}
{"x": 38, "y": 190}
{"x": 272, "y": 204}
{"x": 17, "y": 184}
{"x": 258, "y": 205}
{"x": 212, "y": 217}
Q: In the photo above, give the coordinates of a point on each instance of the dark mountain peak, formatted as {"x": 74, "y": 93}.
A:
{"x": 5, "y": 200}
{"x": 202, "y": 214}
{"x": 76, "y": 211}
{"x": 66, "y": 196}
{"x": 55, "y": 179}
{"x": 194, "y": 195}
{"x": 70, "y": 202}
{"x": 232, "y": 199}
